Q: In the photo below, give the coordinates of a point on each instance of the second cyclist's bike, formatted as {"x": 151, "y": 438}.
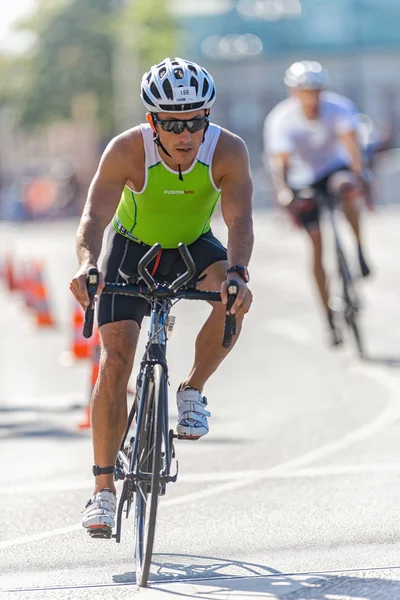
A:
{"x": 350, "y": 300}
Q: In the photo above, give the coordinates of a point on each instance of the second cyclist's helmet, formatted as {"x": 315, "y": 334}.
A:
{"x": 307, "y": 75}
{"x": 177, "y": 86}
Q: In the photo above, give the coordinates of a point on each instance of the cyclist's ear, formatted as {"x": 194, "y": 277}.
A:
{"x": 149, "y": 119}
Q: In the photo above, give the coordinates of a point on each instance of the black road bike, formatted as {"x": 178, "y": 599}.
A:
{"x": 146, "y": 461}
{"x": 351, "y": 303}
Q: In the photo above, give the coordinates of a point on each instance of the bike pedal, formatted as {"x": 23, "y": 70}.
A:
{"x": 104, "y": 533}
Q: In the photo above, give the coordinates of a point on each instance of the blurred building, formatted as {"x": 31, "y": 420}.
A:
{"x": 248, "y": 44}
{"x": 45, "y": 173}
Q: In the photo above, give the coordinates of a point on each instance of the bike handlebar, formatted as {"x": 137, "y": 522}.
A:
{"x": 152, "y": 289}
{"x": 179, "y": 281}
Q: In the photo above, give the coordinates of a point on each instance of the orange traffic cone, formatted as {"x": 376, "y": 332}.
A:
{"x": 43, "y": 316}
{"x": 27, "y": 285}
{"x": 95, "y": 367}
{"x": 81, "y": 346}
{"x": 9, "y": 274}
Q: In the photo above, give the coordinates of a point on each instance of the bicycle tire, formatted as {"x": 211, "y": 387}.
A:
{"x": 350, "y": 308}
{"x": 357, "y": 336}
{"x": 147, "y": 493}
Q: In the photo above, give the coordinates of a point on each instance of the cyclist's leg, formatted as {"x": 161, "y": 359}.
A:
{"x": 307, "y": 213}
{"x": 109, "y": 400}
{"x": 344, "y": 185}
{"x": 210, "y": 258}
{"x": 209, "y": 352}
{"x": 119, "y": 319}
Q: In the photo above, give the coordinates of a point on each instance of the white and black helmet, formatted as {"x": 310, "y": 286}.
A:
{"x": 177, "y": 86}
{"x": 307, "y": 75}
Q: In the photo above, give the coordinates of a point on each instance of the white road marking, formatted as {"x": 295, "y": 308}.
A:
{"x": 27, "y": 539}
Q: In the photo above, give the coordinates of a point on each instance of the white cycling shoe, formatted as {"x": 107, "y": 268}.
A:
{"x": 192, "y": 414}
{"x": 99, "y": 514}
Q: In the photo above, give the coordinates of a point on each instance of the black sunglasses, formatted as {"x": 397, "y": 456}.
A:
{"x": 175, "y": 126}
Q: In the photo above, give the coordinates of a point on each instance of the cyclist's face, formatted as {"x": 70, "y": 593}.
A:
{"x": 310, "y": 102}
{"x": 182, "y": 146}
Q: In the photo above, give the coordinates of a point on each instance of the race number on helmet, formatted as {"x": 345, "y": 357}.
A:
{"x": 177, "y": 86}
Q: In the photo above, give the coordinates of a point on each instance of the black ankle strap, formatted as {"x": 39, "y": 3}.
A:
{"x": 102, "y": 470}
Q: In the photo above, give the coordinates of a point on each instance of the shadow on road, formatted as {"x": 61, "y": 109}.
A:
{"x": 39, "y": 428}
{"x": 388, "y": 361}
{"x": 40, "y": 409}
{"x": 221, "y": 577}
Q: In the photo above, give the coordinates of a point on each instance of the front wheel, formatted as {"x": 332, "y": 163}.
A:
{"x": 148, "y": 466}
{"x": 351, "y": 320}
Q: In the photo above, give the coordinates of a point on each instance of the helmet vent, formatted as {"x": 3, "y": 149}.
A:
{"x": 205, "y": 87}
{"x": 162, "y": 72}
{"x": 168, "y": 89}
{"x": 154, "y": 91}
{"x": 193, "y": 69}
{"x": 212, "y": 95}
{"x": 178, "y": 73}
{"x": 194, "y": 83}
{"x": 147, "y": 99}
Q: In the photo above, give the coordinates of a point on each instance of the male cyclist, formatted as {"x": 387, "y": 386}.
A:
{"x": 161, "y": 182}
{"x": 311, "y": 142}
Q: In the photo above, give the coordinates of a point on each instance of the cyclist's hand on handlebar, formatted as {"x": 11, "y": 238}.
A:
{"x": 244, "y": 296}
{"x": 78, "y": 285}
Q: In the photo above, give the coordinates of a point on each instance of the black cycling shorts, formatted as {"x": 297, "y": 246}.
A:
{"x": 124, "y": 254}
{"x": 308, "y": 213}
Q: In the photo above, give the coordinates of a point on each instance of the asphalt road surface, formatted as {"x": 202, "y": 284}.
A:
{"x": 295, "y": 492}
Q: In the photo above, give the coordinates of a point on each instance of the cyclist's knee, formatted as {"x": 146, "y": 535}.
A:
{"x": 350, "y": 195}
{"x": 345, "y": 185}
{"x": 118, "y": 348}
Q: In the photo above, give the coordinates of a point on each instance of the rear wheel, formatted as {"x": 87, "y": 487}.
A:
{"x": 148, "y": 464}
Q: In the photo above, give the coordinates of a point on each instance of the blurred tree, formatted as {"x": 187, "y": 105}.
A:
{"x": 74, "y": 56}
{"x": 12, "y": 79}
{"x": 149, "y": 30}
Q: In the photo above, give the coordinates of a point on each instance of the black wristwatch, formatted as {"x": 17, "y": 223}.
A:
{"x": 241, "y": 270}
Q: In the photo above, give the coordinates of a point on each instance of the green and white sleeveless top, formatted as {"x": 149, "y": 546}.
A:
{"x": 167, "y": 210}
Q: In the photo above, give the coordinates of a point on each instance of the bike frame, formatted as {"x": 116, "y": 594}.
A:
{"x": 155, "y": 353}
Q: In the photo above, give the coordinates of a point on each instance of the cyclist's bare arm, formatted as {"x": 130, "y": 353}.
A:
{"x": 232, "y": 175}
{"x": 350, "y": 141}
{"x": 117, "y": 165}
{"x": 279, "y": 165}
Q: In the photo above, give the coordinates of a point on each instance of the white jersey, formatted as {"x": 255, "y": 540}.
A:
{"x": 313, "y": 144}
